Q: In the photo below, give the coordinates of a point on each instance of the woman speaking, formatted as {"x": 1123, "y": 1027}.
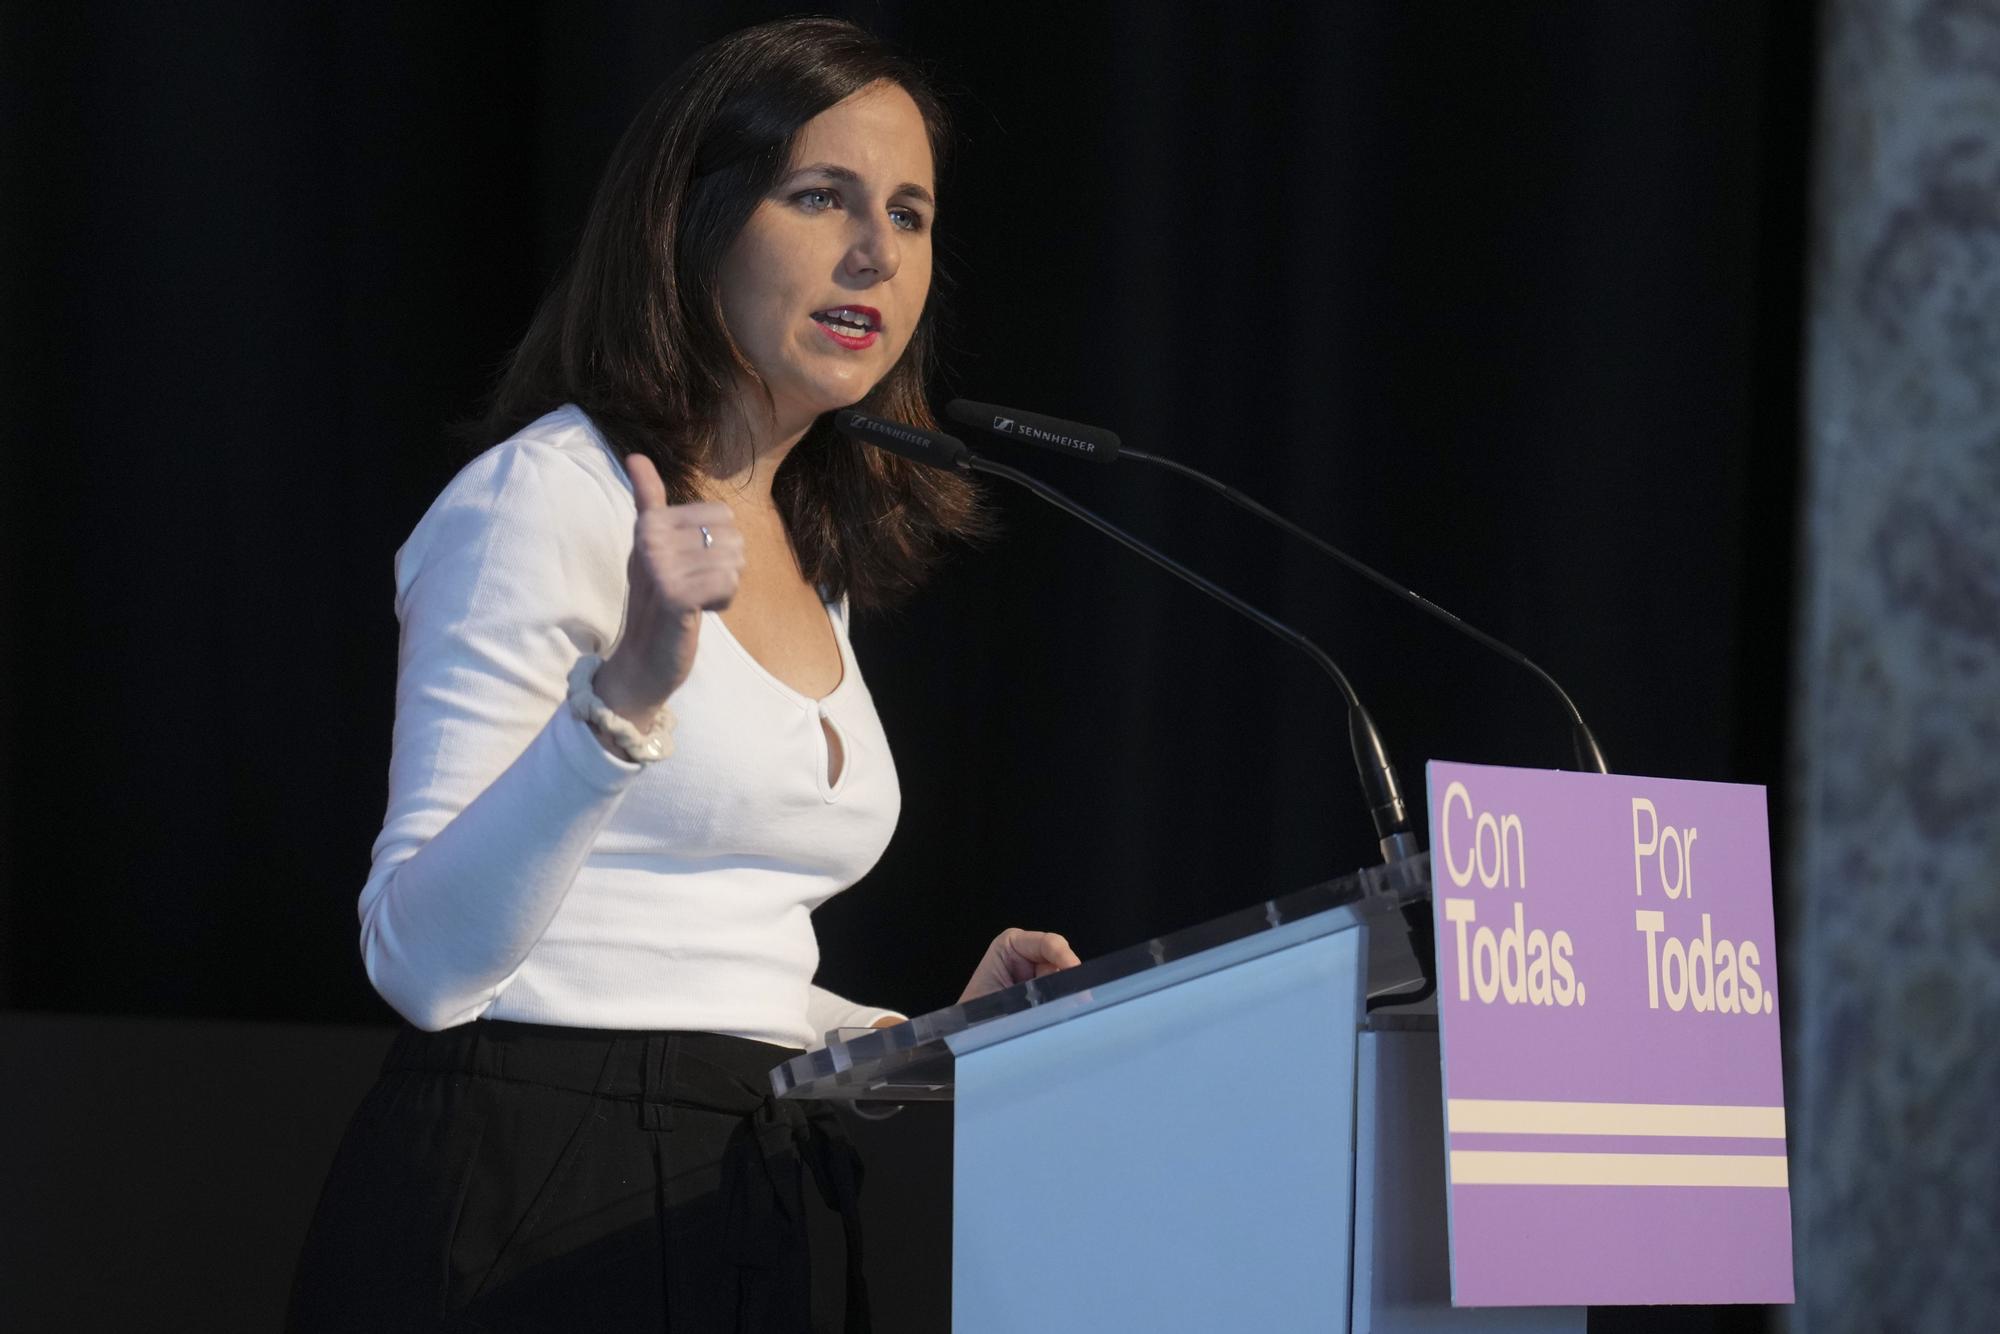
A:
{"x": 633, "y": 750}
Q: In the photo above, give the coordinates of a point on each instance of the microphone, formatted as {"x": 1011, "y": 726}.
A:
{"x": 1379, "y": 784}
{"x": 1048, "y": 432}
{"x": 1074, "y": 438}
{"x": 912, "y": 442}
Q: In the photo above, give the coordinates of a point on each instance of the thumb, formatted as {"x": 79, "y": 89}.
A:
{"x": 648, "y": 490}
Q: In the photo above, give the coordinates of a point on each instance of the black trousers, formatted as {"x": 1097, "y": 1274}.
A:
{"x": 516, "y": 1177}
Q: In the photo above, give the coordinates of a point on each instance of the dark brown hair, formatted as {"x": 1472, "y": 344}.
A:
{"x": 632, "y": 329}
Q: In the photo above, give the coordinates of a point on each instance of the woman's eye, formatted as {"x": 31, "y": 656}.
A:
{"x": 908, "y": 219}
{"x": 815, "y": 200}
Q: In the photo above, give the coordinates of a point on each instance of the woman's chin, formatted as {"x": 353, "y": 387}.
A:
{"x": 835, "y": 398}
{"x": 815, "y": 399}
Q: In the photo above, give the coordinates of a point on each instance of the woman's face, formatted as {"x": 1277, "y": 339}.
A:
{"x": 823, "y": 288}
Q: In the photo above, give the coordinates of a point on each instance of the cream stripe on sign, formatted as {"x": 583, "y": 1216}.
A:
{"x": 1482, "y": 1167}
{"x": 1495, "y": 1116}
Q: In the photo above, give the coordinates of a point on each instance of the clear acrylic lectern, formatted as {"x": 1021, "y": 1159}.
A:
{"x": 1200, "y": 1133}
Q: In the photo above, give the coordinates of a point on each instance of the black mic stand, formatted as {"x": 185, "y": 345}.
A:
{"x": 1589, "y": 755}
{"x": 1094, "y": 443}
{"x": 1371, "y": 757}
{"x": 1379, "y": 784}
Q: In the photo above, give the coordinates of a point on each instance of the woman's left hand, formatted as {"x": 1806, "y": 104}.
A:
{"x": 1015, "y": 956}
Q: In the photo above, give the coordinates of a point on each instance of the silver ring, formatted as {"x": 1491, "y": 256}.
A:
{"x": 707, "y": 538}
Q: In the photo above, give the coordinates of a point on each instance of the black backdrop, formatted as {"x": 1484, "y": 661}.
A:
{"x": 1503, "y": 298}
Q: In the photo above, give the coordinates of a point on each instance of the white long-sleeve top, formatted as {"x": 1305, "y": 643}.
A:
{"x": 523, "y": 871}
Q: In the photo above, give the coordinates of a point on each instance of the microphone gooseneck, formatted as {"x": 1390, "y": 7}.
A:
{"x": 1589, "y": 755}
{"x": 1379, "y": 784}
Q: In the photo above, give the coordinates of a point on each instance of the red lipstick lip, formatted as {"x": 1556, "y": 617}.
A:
{"x": 872, "y": 315}
{"x": 866, "y": 340}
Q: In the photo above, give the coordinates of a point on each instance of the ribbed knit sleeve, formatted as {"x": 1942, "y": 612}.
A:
{"x": 496, "y": 791}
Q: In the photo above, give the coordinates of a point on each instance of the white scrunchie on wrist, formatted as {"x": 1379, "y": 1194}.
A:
{"x": 639, "y": 747}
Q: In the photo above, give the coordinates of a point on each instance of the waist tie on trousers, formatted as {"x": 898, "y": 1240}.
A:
{"x": 771, "y": 1126}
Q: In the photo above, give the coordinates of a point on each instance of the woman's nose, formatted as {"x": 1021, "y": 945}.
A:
{"x": 876, "y": 251}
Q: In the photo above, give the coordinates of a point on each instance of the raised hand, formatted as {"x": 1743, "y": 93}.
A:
{"x": 672, "y": 578}
{"x": 1015, "y": 956}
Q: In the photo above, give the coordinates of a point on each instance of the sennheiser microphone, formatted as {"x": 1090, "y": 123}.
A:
{"x": 1086, "y": 442}
{"x": 1379, "y": 785}
{"x": 912, "y": 442}
{"x": 1589, "y": 755}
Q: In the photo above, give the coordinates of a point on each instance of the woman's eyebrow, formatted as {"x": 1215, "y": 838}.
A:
{"x": 848, "y": 176}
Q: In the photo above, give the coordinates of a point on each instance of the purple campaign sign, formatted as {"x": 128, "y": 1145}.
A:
{"x": 1614, "y": 1106}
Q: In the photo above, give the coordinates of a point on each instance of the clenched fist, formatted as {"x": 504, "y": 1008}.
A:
{"x": 1015, "y": 956}
{"x": 675, "y": 574}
